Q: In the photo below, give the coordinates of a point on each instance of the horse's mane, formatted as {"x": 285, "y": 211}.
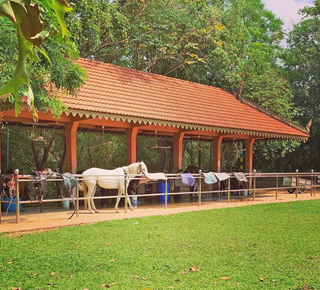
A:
{"x": 132, "y": 168}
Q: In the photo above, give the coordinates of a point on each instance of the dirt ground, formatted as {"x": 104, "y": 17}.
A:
{"x": 54, "y": 217}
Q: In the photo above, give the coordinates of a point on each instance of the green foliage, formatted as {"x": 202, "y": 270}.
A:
{"x": 256, "y": 247}
{"x": 28, "y": 32}
{"x": 274, "y": 156}
{"x": 250, "y": 42}
{"x": 302, "y": 67}
{"x": 234, "y": 45}
{"x": 91, "y": 151}
{"x": 271, "y": 91}
{"x": 197, "y": 154}
{"x": 47, "y": 154}
{"x": 164, "y": 37}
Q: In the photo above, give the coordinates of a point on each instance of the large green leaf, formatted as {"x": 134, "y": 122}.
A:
{"x": 29, "y": 28}
{"x": 61, "y": 7}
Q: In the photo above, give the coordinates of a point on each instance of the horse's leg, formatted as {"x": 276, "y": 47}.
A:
{"x": 118, "y": 198}
{"x": 91, "y": 204}
{"x": 89, "y": 195}
{"x": 129, "y": 201}
{"x": 85, "y": 193}
{"x": 40, "y": 196}
{"x": 191, "y": 190}
{"x": 92, "y": 200}
{"x": 196, "y": 190}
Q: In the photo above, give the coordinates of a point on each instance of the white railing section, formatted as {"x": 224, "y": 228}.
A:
{"x": 300, "y": 182}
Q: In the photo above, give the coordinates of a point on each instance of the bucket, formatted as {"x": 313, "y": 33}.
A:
{"x": 11, "y": 207}
{"x": 65, "y": 203}
{"x": 134, "y": 201}
{"x": 161, "y": 188}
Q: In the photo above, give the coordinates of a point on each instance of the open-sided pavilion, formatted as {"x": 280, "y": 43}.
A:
{"x": 133, "y": 102}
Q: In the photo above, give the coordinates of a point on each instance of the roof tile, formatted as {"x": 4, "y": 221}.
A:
{"x": 117, "y": 90}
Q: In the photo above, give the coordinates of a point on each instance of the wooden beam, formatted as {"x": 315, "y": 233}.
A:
{"x": 159, "y": 128}
{"x": 216, "y": 146}
{"x": 200, "y": 133}
{"x": 132, "y": 144}
{"x": 71, "y": 146}
{"x": 248, "y": 155}
{"x": 177, "y": 150}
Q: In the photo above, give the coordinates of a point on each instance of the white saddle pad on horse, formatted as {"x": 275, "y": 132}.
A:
{"x": 210, "y": 178}
{"x": 221, "y": 175}
{"x": 188, "y": 179}
{"x": 240, "y": 176}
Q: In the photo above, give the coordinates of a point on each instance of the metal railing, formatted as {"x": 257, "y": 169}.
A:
{"x": 300, "y": 182}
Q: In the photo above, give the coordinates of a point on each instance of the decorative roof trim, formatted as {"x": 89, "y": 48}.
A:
{"x": 149, "y": 121}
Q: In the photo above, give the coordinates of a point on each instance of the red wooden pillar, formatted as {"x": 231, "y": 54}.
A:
{"x": 71, "y": 146}
{"x": 248, "y": 155}
{"x": 132, "y": 144}
{"x": 217, "y": 153}
{"x": 177, "y": 150}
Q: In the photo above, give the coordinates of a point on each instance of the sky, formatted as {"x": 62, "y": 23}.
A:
{"x": 287, "y": 10}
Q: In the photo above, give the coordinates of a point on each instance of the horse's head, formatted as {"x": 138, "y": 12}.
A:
{"x": 142, "y": 168}
{"x": 192, "y": 169}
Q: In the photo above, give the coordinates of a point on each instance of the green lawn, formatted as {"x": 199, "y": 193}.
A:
{"x": 252, "y": 247}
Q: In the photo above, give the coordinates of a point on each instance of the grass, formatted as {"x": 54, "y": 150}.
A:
{"x": 253, "y": 247}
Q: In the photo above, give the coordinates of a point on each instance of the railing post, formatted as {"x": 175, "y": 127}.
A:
{"x": 125, "y": 191}
{"x": 277, "y": 185}
{"x": 17, "y": 200}
{"x": 312, "y": 182}
{"x": 297, "y": 188}
{"x": 254, "y": 184}
{"x": 166, "y": 194}
{"x": 77, "y": 201}
{"x": 250, "y": 182}
{"x": 199, "y": 198}
{"x": 229, "y": 186}
{"x": 315, "y": 184}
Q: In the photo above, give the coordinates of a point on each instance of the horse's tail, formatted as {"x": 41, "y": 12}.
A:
{"x": 85, "y": 193}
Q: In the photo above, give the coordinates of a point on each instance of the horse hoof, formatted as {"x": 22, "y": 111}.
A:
{"x": 96, "y": 211}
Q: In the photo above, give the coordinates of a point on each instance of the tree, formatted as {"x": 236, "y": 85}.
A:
{"x": 163, "y": 37}
{"x": 252, "y": 68}
{"x": 303, "y": 69}
{"x": 22, "y": 43}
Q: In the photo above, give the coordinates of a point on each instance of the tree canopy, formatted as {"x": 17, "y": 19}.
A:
{"x": 23, "y": 36}
{"x": 303, "y": 70}
{"x": 232, "y": 44}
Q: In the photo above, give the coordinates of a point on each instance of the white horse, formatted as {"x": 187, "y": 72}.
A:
{"x": 110, "y": 179}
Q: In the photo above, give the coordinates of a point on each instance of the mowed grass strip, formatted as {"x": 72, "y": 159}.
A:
{"x": 252, "y": 247}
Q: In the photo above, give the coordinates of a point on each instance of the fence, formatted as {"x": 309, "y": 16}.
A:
{"x": 257, "y": 183}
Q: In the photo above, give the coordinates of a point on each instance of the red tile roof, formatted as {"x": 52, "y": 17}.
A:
{"x": 114, "y": 91}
